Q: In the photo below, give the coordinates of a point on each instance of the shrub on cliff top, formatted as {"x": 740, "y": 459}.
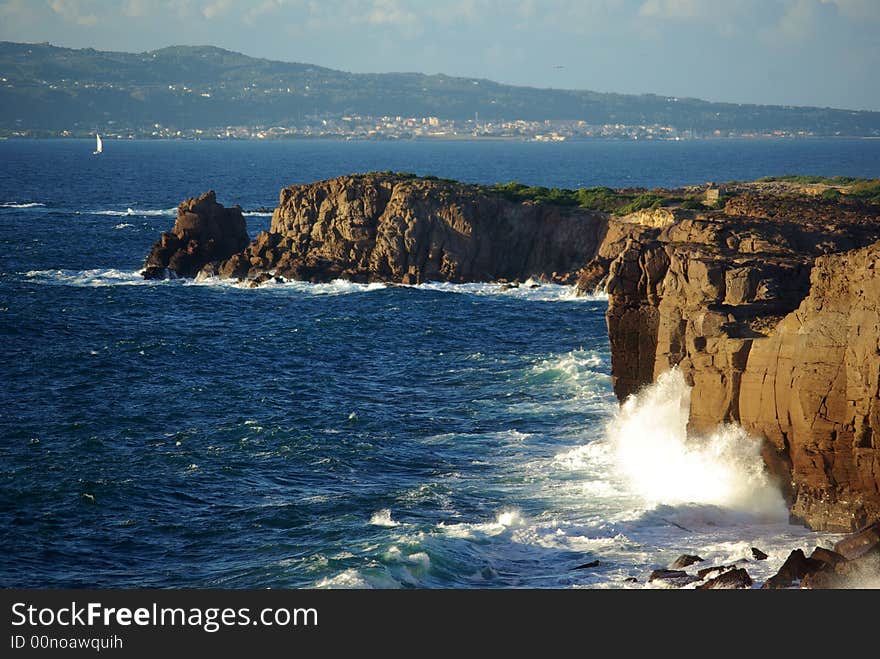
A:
{"x": 644, "y": 201}
{"x": 598, "y": 198}
{"x": 866, "y": 190}
{"x": 813, "y": 180}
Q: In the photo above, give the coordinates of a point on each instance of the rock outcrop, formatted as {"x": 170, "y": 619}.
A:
{"x": 393, "y": 228}
{"x": 205, "y": 232}
{"x": 730, "y": 580}
{"x": 853, "y": 563}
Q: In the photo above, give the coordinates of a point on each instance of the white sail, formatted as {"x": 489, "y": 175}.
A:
{"x": 100, "y": 145}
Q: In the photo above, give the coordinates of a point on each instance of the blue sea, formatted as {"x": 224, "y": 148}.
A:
{"x": 180, "y": 434}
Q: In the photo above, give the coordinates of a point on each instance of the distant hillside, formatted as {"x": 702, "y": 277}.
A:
{"x": 46, "y": 88}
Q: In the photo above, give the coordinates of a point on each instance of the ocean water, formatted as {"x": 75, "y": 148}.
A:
{"x": 181, "y": 434}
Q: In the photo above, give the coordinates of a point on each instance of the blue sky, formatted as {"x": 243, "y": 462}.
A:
{"x": 790, "y": 52}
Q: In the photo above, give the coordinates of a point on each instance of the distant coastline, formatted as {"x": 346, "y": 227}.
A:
{"x": 188, "y": 91}
{"x": 436, "y": 138}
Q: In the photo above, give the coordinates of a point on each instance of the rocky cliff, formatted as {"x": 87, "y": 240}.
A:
{"x": 770, "y": 305}
{"x": 770, "y": 309}
{"x": 393, "y": 228}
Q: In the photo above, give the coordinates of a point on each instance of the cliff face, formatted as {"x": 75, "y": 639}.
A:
{"x": 410, "y": 230}
{"x": 811, "y": 389}
{"x": 768, "y": 339}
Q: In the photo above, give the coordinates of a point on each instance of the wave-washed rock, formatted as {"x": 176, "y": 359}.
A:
{"x": 769, "y": 306}
{"x": 204, "y": 232}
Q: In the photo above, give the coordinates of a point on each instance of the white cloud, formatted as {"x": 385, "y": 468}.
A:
{"x": 15, "y": 9}
{"x": 857, "y": 9}
{"x": 687, "y": 9}
{"x": 215, "y": 9}
{"x": 798, "y": 21}
{"x": 74, "y": 11}
{"x": 136, "y": 8}
{"x": 264, "y": 8}
{"x": 708, "y": 10}
{"x": 391, "y": 12}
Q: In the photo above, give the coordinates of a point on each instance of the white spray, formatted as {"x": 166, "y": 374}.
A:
{"x": 664, "y": 465}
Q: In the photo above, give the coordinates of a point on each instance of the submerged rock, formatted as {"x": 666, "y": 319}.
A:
{"x": 737, "y": 578}
{"x": 758, "y": 555}
{"x": 707, "y": 571}
{"x": 674, "y": 578}
{"x": 684, "y": 560}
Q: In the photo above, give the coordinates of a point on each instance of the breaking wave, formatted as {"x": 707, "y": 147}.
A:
{"x": 530, "y": 290}
{"x": 115, "y": 277}
{"x": 665, "y": 465}
{"x": 134, "y": 212}
{"x": 94, "y": 278}
{"x": 24, "y": 204}
{"x": 383, "y": 518}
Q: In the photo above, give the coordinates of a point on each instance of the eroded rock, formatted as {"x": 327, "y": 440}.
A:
{"x": 403, "y": 229}
{"x": 205, "y": 232}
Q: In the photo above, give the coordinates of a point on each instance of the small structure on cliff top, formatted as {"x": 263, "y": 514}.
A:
{"x": 713, "y": 193}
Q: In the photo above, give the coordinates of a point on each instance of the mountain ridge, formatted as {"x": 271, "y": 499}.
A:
{"x": 52, "y": 88}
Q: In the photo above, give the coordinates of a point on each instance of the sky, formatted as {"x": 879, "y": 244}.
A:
{"x": 785, "y": 52}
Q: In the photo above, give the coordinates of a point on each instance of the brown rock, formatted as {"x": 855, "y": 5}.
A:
{"x": 684, "y": 560}
{"x": 676, "y": 578}
{"x": 392, "y": 228}
{"x": 824, "y": 579}
{"x": 838, "y": 572}
{"x": 795, "y": 568}
{"x": 758, "y": 555}
{"x": 859, "y": 543}
{"x": 861, "y": 572}
{"x": 732, "y": 579}
{"x": 828, "y": 557}
{"x": 205, "y": 232}
{"x": 706, "y": 571}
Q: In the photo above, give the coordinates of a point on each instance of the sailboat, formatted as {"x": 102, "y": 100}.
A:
{"x": 99, "y": 148}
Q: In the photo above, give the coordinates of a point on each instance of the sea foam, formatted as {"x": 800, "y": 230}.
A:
{"x": 528, "y": 291}
{"x": 133, "y": 212}
{"x": 383, "y": 518}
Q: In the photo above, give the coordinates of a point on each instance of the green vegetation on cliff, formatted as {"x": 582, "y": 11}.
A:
{"x": 865, "y": 189}
{"x": 599, "y": 198}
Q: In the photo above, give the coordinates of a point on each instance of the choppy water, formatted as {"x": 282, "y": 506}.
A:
{"x": 202, "y": 434}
